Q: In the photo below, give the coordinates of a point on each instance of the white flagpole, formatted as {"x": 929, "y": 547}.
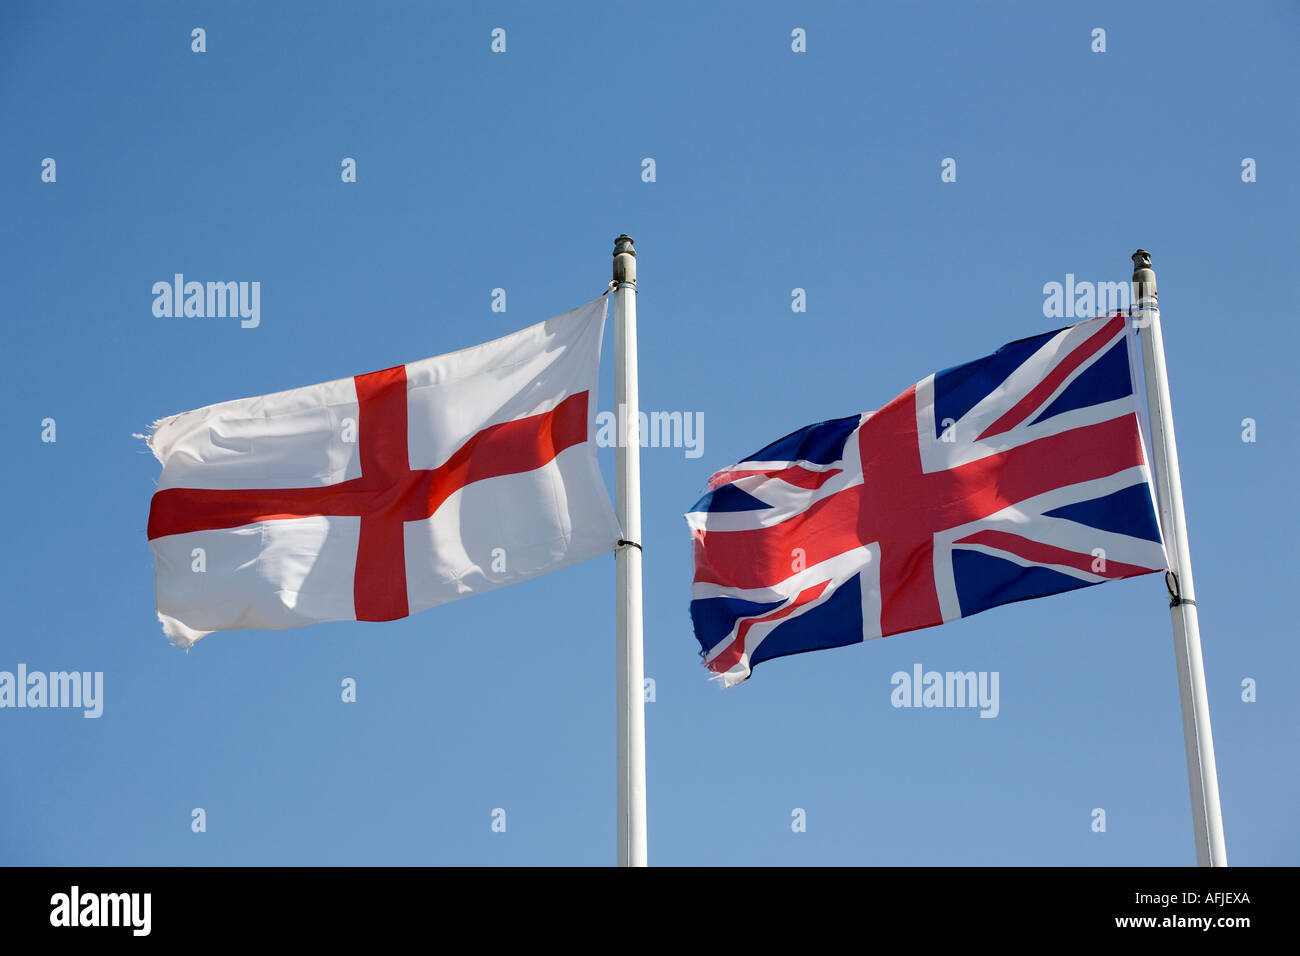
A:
{"x": 631, "y": 692}
{"x": 1201, "y": 772}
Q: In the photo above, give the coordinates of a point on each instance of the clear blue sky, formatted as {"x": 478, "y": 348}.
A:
{"x": 775, "y": 170}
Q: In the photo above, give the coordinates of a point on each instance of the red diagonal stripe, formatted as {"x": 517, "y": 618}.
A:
{"x": 1043, "y": 390}
{"x": 1050, "y": 554}
{"x": 728, "y": 658}
{"x": 795, "y": 475}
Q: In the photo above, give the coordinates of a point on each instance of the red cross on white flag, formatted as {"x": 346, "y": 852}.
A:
{"x": 374, "y": 497}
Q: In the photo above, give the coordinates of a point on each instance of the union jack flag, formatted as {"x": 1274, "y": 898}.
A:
{"x": 1015, "y": 476}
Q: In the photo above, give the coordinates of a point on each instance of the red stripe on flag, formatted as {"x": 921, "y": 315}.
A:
{"x": 1044, "y": 389}
{"x": 795, "y": 475}
{"x": 1050, "y": 554}
{"x": 379, "y": 578}
{"x": 728, "y": 658}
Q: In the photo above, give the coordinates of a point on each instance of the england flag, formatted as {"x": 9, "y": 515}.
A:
{"x": 1015, "y": 476}
{"x": 374, "y": 497}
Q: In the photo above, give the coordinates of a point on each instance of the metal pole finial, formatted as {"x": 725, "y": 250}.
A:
{"x": 624, "y": 260}
{"x": 1144, "y": 280}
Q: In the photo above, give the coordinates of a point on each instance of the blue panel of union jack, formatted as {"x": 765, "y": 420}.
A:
{"x": 1015, "y": 476}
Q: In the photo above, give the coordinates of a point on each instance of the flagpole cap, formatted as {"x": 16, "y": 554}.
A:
{"x": 1144, "y": 280}
{"x": 624, "y": 260}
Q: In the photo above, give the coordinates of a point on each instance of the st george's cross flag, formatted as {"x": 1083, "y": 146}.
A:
{"x": 374, "y": 497}
{"x": 1015, "y": 476}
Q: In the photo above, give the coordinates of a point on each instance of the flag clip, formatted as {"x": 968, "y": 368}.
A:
{"x": 1175, "y": 592}
{"x": 622, "y": 542}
